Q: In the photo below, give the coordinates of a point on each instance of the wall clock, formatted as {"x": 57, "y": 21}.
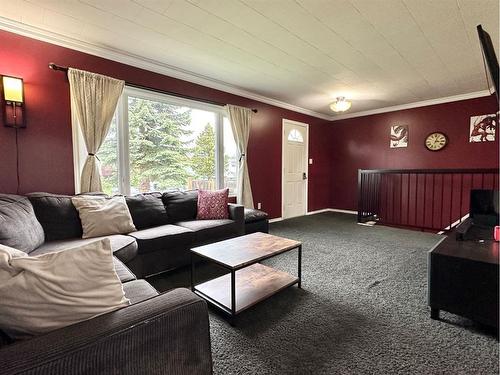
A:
{"x": 436, "y": 141}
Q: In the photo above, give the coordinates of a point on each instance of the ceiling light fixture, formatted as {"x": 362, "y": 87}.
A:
{"x": 341, "y": 105}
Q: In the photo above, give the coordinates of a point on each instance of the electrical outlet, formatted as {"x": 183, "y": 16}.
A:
{"x": 259, "y": 206}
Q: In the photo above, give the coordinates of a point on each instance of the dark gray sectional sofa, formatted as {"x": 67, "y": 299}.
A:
{"x": 157, "y": 334}
{"x": 166, "y": 229}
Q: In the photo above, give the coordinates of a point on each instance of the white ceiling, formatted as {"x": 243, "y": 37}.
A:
{"x": 378, "y": 53}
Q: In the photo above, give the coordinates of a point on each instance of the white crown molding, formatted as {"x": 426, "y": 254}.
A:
{"x": 423, "y": 103}
{"x": 171, "y": 71}
{"x": 144, "y": 63}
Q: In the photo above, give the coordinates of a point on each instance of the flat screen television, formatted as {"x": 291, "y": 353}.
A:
{"x": 490, "y": 58}
{"x": 484, "y": 208}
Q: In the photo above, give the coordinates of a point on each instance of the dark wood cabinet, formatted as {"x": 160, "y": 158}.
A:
{"x": 463, "y": 279}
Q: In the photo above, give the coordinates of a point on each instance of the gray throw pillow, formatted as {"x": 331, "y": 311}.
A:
{"x": 19, "y": 227}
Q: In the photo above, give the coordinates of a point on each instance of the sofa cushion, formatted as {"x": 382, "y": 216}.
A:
{"x": 19, "y": 227}
{"x": 138, "y": 291}
{"x": 58, "y": 216}
{"x": 257, "y": 226}
{"x": 147, "y": 210}
{"x": 162, "y": 238}
{"x": 4, "y": 339}
{"x": 124, "y": 274}
{"x": 123, "y": 247}
{"x": 210, "y": 230}
{"x": 252, "y": 215}
{"x": 181, "y": 205}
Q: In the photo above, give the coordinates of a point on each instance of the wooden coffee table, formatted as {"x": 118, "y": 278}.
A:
{"x": 248, "y": 281}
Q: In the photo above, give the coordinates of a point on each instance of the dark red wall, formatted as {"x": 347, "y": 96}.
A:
{"x": 338, "y": 148}
{"x": 363, "y": 143}
{"x": 46, "y": 148}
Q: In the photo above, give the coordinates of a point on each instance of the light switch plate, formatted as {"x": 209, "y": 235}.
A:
{"x": 310, "y": 161}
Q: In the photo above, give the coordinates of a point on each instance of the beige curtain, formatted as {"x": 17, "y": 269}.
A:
{"x": 93, "y": 102}
{"x": 240, "y": 119}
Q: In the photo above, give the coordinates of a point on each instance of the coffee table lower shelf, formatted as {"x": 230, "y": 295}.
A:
{"x": 253, "y": 284}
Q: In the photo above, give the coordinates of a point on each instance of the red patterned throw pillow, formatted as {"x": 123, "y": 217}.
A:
{"x": 212, "y": 204}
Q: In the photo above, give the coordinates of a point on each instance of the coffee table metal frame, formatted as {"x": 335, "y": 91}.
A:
{"x": 232, "y": 310}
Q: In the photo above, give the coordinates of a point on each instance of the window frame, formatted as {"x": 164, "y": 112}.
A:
{"x": 293, "y": 138}
{"x": 123, "y": 135}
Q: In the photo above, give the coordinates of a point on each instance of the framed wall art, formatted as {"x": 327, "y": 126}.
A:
{"x": 399, "y": 136}
{"x": 482, "y": 128}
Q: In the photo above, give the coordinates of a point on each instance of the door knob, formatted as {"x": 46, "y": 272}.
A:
{"x": 304, "y": 176}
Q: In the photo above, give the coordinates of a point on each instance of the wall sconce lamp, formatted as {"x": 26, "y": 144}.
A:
{"x": 13, "y": 97}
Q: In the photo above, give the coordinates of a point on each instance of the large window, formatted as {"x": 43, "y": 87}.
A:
{"x": 158, "y": 142}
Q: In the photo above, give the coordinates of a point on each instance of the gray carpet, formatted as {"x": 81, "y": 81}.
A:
{"x": 362, "y": 310}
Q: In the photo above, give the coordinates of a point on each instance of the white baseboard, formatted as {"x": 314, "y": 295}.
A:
{"x": 332, "y": 210}
{"x": 350, "y": 212}
{"x": 452, "y": 225}
{"x": 344, "y": 211}
{"x": 275, "y": 220}
{"x": 318, "y": 212}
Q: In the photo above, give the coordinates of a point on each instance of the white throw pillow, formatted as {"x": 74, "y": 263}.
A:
{"x": 42, "y": 293}
{"x": 102, "y": 216}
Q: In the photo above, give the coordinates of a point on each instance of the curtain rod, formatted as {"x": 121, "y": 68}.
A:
{"x": 65, "y": 69}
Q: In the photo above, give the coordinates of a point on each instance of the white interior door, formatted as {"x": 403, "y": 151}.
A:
{"x": 295, "y": 173}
